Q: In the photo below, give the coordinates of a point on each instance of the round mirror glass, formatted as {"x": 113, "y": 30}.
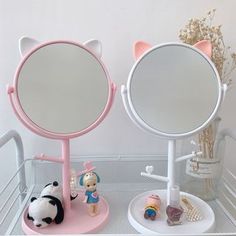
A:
{"x": 174, "y": 89}
{"x": 62, "y": 87}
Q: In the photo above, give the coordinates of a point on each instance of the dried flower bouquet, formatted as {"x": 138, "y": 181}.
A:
{"x": 225, "y": 61}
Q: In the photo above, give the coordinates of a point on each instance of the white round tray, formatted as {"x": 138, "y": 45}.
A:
{"x": 160, "y": 226}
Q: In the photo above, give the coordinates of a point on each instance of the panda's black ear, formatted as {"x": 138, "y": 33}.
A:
{"x": 32, "y": 199}
{"x": 52, "y": 202}
{"x": 55, "y": 183}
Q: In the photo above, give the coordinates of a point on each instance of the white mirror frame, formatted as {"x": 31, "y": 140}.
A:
{"x": 126, "y": 97}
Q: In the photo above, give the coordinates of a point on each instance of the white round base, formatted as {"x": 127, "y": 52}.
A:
{"x": 160, "y": 226}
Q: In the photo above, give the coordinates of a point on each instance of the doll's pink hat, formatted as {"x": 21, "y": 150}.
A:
{"x": 88, "y": 167}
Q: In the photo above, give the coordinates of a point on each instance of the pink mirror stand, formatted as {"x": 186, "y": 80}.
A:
{"x": 76, "y": 218}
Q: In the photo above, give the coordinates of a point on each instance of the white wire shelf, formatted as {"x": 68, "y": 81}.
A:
{"x": 119, "y": 186}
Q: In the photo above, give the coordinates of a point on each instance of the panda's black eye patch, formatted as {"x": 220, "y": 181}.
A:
{"x": 52, "y": 202}
{"x": 32, "y": 199}
{"x": 30, "y": 217}
{"x": 48, "y": 220}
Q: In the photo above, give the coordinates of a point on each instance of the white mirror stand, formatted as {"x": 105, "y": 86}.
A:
{"x": 170, "y": 179}
{"x": 147, "y": 80}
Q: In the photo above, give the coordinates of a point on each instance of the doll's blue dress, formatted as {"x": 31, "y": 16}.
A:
{"x": 92, "y": 196}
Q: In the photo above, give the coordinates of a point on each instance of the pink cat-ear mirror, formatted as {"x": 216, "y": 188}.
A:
{"x": 173, "y": 91}
{"x": 62, "y": 90}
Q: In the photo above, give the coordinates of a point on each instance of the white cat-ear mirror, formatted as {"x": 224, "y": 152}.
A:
{"x": 62, "y": 90}
{"x": 173, "y": 91}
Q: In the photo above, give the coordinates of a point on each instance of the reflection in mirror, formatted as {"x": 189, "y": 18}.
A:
{"x": 62, "y": 87}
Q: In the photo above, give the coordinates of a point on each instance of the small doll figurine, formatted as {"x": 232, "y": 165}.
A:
{"x": 152, "y": 207}
{"x": 89, "y": 179}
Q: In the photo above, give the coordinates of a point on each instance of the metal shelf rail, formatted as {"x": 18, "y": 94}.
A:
{"x": 13, "y": 195}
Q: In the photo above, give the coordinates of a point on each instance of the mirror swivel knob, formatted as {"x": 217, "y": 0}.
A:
{"x": 10, "y": 89}
{"x": 123, "y": 89}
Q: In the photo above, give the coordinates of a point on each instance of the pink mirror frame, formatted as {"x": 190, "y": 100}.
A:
{"x": 15, "y": 102}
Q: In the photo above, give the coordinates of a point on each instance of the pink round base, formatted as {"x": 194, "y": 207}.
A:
{"x": 77, "y": 221}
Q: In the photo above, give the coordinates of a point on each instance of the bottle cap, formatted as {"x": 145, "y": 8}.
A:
{"x": 174, "y": 196}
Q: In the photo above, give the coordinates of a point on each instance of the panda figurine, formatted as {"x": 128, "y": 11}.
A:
{"x": 48, "y": 207}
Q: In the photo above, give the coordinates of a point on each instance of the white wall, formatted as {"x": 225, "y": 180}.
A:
{"x": 117, "y": 24}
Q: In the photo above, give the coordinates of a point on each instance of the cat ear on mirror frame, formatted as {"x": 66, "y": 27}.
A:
{"x": 26, "y": 44}
{"x": 205, "y": 46}
{"x": 139, "y": 48}
{"x": 95, "y": 46}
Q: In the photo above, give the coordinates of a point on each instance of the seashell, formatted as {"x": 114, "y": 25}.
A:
{"x": 191, "y": 212}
